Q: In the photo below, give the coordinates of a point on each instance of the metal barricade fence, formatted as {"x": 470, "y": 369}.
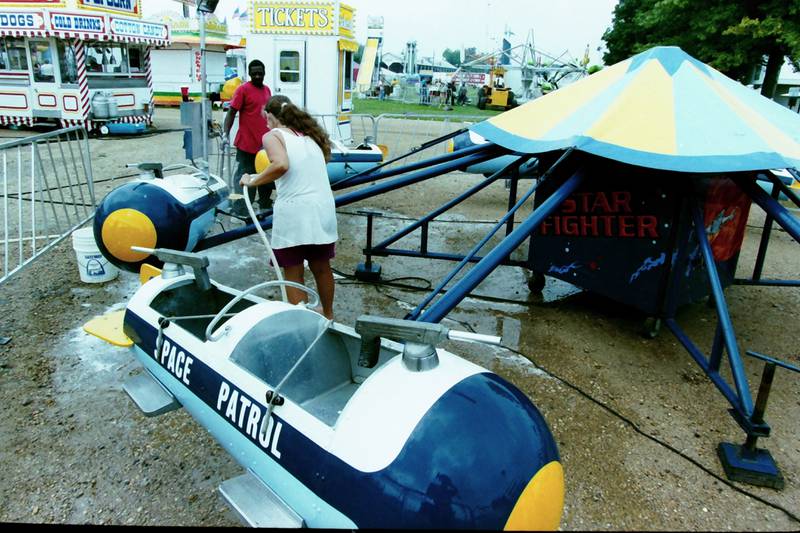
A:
{"x": 47, "y": 192}
{"x": 361, "y": 126}
{"x": 401, "y": 133}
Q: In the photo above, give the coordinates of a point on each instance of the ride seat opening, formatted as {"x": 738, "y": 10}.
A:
{"x": 322, "y": 383}
{"x": 189, "y": 300}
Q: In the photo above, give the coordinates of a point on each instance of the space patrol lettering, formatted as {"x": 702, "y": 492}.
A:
{"x": 600, "y": 214}
{"x": 246, "y": 415}
{"x": 174, "y": 360}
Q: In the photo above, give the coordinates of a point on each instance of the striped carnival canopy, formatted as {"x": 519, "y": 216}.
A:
{"x": 659, "y": 109}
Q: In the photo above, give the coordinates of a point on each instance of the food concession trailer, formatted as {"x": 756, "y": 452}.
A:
{"x": 178, "y": 65}
{"x": 76, "y": 62}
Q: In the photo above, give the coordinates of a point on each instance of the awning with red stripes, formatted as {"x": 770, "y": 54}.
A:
{"x": 66, "y": 24}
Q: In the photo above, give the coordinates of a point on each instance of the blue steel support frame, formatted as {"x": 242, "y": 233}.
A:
{"x": 775, "y": 212}
{"x": 414, "y": 314}
{"x": 498, "y": 254}
{"x": 382, "y": 249}
{"x": 724, "y": 337}
{"x": 740, "y": 399}
{"x": 486, "y": 152}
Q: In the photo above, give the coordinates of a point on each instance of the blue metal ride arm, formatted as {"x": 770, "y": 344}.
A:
{"x": 488, "y": 152}
{"x": 482, "y": 269}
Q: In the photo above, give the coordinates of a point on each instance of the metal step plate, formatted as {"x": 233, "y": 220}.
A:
{"x": 257, "y": 505}
{"x": 149, "y": 395}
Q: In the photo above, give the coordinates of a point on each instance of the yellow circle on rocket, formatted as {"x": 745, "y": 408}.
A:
{"x": 125, "y": 228}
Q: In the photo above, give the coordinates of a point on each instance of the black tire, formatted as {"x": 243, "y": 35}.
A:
{"x": 481, "y": 103}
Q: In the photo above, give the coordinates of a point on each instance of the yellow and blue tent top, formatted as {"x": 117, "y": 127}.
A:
{"x": 659, "y": 109}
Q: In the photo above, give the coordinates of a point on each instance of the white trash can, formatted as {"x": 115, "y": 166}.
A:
{"x": 93, "y": 267}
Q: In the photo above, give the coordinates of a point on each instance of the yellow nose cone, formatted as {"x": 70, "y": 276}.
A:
{"x": 262, "y": 161}
{"x": 540, "y": 505}
{"x": 125, "y": 228}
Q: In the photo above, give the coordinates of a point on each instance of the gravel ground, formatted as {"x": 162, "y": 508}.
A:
{"x": 636, "y": 421}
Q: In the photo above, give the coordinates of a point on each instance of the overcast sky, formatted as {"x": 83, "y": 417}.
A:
{"x": 558, "y": 25}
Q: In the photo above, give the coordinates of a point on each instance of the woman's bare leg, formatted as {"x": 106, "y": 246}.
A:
{"x": 323, "y": 276}
{"x": 295, "y": 273}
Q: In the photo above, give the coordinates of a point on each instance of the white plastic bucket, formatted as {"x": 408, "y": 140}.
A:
{"x": 93, "y": 267}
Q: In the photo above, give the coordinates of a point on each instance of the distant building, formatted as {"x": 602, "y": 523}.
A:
{"x": 393, "y": 62}
{"x": 787, "y": 92}
{"x": 430, "y": 65}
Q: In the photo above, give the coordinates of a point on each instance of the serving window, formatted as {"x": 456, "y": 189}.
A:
{"x": 42, "y": 59}
{"x": 114, "y": 65}
{"x": 67, "y": 62}
{"x": 107, "y": 58}
{"x": 12, "y": 54}
{"x": 114, "y": 59}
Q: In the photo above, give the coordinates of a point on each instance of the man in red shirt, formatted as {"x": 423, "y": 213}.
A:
{"x": 249, "y": 101}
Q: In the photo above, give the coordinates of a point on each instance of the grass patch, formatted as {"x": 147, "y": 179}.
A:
{"x": 375, "y": 107}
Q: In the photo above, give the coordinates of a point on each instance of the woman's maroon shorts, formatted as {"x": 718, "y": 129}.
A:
{"x": 295, "y": 255}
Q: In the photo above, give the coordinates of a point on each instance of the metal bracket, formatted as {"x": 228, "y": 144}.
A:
{"x": 197, "y": 262}
{"x": 746, "y": 462}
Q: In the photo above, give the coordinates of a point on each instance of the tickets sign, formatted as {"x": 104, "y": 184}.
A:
{"x": 296, "y": 18}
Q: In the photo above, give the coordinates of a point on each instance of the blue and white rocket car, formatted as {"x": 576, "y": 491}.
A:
{"x": 337, "y": 427}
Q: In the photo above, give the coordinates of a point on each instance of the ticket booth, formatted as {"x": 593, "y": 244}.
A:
{"x": 307, "y": 50}
{"x": 60, "y": 58}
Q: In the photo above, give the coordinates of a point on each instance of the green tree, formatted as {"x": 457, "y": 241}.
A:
{"x": 733, "y": 36}
{"x": 452, "y": 56}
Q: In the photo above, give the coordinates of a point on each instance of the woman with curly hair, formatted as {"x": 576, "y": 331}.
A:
{"x": 304, "y": 213}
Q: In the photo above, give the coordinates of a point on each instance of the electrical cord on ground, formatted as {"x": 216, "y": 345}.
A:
{"x": 352, "y": 280}
{"x": 658, "y": 441}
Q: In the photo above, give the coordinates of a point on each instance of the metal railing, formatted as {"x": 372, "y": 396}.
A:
{"x": 401, "y": 133}
{"x": 47, "y": 191}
